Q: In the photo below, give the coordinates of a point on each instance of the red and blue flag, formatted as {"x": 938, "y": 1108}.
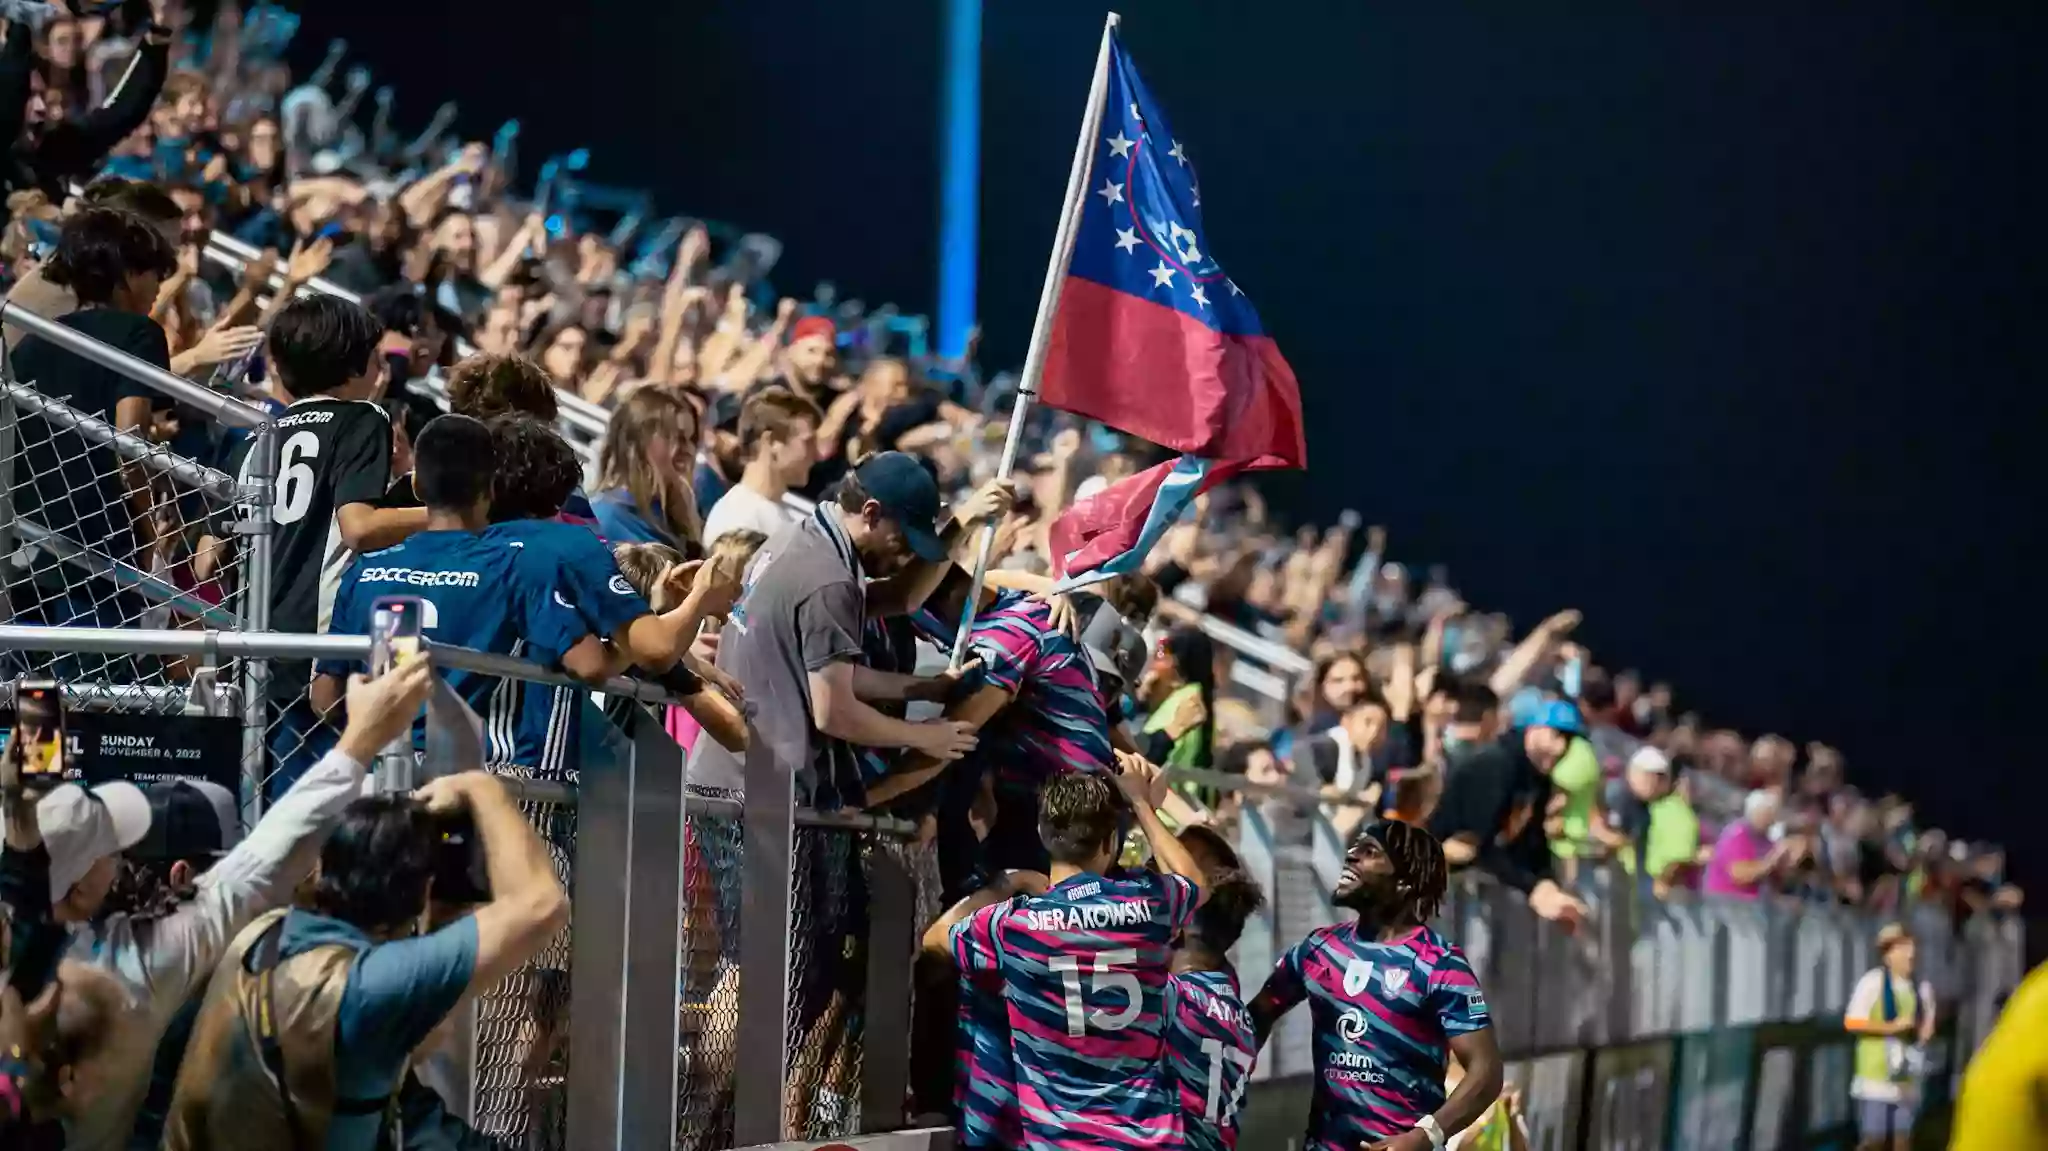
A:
{"x": 1152, "y": 337}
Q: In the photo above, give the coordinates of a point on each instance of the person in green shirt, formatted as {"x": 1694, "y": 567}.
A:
{"x": 1577, "y": 780}
{"x": 1183, "y": 668}
{"x": 1647, "y": 822}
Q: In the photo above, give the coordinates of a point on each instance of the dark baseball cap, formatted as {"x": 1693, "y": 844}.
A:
{"x": 909, "y": 495}
{"x": 724, "y": 414}
{"x": 189, "y": 819}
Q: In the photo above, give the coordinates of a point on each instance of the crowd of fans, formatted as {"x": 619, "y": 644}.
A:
{"x": 677, "y": 553}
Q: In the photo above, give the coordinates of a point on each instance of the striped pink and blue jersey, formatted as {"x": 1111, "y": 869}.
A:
{"x": 986, "y": 1091}
{"x": 1084, "y": 968}
{"x": 1210, "y": 1051}
{"x": 1057, "y": 721}
{"x": 1384, "y": 1015}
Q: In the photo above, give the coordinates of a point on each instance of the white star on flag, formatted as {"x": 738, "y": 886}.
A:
{"x": 1127, "y": 239}
{"x": 1162, "y": 276}
{"x": 1200, "y": 298}
{"x": 1118, "y": 146}
{"x": 1110, "y": 193}
{"x": 1179, "y": 157}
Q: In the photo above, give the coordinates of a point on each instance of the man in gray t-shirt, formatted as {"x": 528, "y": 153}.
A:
{"x": 794, "y": 638}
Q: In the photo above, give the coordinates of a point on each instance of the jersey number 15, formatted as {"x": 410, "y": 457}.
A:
{"x": 1106, "y": 978}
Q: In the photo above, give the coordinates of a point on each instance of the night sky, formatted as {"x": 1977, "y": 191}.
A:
{"x": 1715, "y": 322}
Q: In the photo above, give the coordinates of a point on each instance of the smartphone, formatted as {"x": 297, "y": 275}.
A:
{"x": 396, "y": 625}
{"x": 1570, "y": 676}
{"x": 331, "y": 230}
{"x": 38, "y": 727}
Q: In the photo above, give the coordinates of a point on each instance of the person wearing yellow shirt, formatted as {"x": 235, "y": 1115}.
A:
{"x": 2004, "y": 1106}
{"x": 1892, "y": 1016}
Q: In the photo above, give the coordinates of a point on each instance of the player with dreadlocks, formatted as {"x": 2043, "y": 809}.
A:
{"x": 1390, "y": 1000}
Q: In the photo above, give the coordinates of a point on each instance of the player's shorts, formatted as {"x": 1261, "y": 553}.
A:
{"x": 1878, "y": 1119}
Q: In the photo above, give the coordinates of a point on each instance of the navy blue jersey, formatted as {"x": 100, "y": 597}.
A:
{"x": 485, "y": 594}
{"x": 590, "y": 576}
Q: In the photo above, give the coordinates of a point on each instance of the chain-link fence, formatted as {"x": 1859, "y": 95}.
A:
{"x": 110, "y": 529}
{"x": 120, "y": 507}
{"x": 708, "y": 1011}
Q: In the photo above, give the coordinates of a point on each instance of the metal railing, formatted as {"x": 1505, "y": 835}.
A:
{"x": 106, "y": 579}
{"x": 820, "y": 902}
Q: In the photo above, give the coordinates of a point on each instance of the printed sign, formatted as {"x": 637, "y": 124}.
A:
{"x": 1709, "y": 1086}
{"x": 1828, "y": 1072}
{"x": 1774, "y": 1081}
{"x": 105, "y": 746}
{"x": 1631, "y": 1088}
{"x": 1550, "y": 1103}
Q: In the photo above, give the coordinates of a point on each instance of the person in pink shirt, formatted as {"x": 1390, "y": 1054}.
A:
{"x": 1746, "y": 854}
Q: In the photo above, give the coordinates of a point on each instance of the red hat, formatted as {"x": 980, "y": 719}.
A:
{"x": 813, "y": 326}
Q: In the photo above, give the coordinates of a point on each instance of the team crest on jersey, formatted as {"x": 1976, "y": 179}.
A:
{"x": 620, "y": 585}
{"x": 1357, "y": 976}
{"x": 1394, "y": 980}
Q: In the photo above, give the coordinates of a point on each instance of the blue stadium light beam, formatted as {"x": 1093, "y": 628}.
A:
{"x": 959, "y": 175}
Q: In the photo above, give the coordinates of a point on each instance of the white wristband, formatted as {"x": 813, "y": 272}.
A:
{"x": 1428, "y": 1126}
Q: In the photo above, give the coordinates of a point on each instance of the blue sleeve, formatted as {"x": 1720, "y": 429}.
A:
{"x": 1454, "y": 996}
{"x": 620, "y": 522}
{"x": 548, "y": 622}
{"x": 607, "y": 602}
{"x": 347, "y": 619}
{"x": 399, "y": 992}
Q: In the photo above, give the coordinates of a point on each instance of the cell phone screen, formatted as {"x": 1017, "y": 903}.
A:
{"x": 396, "y": 624}
{"x": 38, "y": 727}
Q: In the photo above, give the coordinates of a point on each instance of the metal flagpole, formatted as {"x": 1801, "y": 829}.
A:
{"x": 1048, "y": 304}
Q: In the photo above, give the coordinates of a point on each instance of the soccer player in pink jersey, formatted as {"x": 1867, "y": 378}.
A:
{"x": 1210, "y": 1044}
{"x": 1390, "y": 999}
{"x": 1084, "y": 968}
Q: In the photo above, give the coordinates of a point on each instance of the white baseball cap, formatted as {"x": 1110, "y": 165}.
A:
{"x": 82, "y": 827}
{"x": 1651, "y": 760}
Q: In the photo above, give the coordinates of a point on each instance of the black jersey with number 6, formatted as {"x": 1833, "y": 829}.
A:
{"x": 330, "y": 453}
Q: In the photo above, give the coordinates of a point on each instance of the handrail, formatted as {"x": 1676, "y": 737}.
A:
{"x": 284, "y": 645}
{"x": 128, "y": 446}
{"x": 158, "y": 591}
{"x": 225, "y": 409}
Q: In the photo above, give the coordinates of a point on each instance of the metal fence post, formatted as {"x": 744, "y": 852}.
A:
{"x": 626, "y": 943}
{"x": 7, "y": 418}
{"x": 885, "y": 1028}
{"x": 761, "y": 1065}
{"x": 257, "y": 525}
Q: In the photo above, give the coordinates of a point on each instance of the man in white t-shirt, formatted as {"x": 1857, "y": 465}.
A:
{"x": 779, "y": 441}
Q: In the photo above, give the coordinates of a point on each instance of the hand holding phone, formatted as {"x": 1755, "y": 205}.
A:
{"x": 35, "y": 748}
{"x": 397, "y": 624}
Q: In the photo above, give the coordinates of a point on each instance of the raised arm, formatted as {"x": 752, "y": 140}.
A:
{"x": 1139, "y": 780}
{"x": 260, "y": 873}
{"x": 938, "y": 938}
{"x": 527, "y": 904}
{"x": 1515, "y": 669}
